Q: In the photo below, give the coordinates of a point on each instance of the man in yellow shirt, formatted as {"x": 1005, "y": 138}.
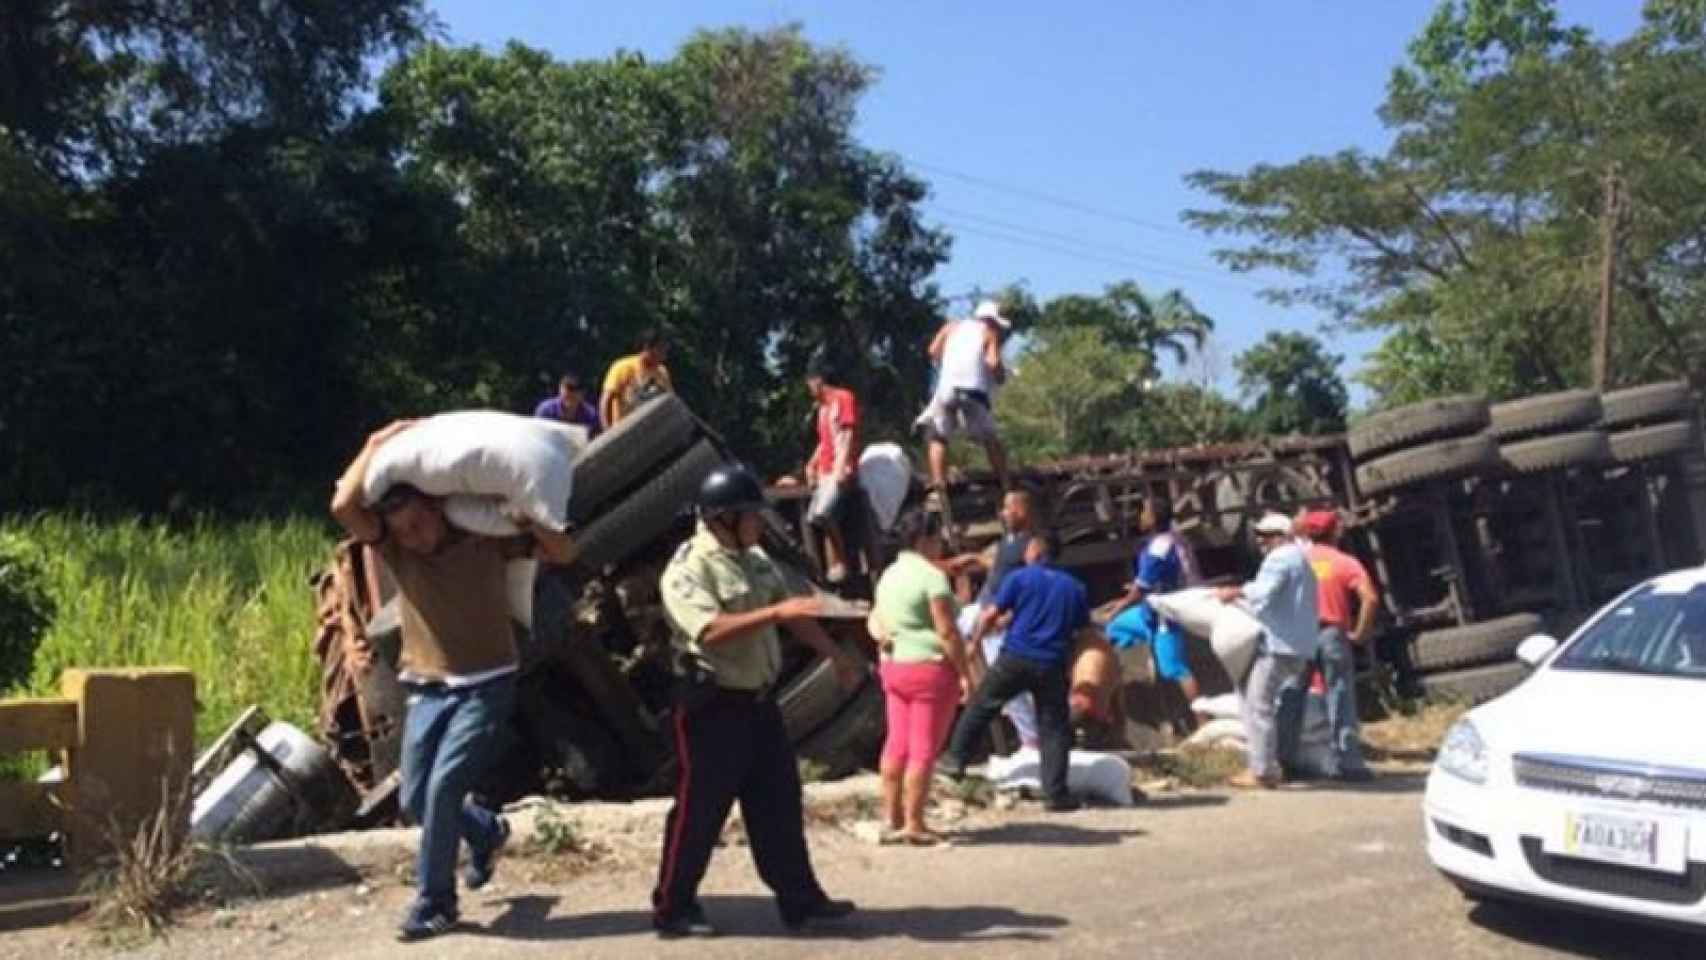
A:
{"x": 635, "y": 379}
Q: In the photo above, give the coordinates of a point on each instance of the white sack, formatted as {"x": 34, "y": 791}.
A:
{"x": 1314, "y": 742}
{"x": 526, "y": 462}
{"x": 1234, "y": 634}
{"x": 1221, "y": 732}
{"x": 518, "y": 577}
{"x": 1195, "y": 609}
{"x": 1236, "y": 638}
{"x": 1225, "y": 706}
{"x": 1099, "y": 776}
{"x": 886, "y": 475}
{"x": 480, "y": 515}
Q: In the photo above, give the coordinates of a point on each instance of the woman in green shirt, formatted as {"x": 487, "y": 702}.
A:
{"x": 925, "y": 673}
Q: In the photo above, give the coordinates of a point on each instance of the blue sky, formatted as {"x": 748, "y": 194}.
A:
{"x": 1055, "y": 136}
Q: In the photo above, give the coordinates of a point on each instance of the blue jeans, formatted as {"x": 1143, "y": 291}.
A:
{"x": 448, "y": 738}
{"x": 1338, "y": 671}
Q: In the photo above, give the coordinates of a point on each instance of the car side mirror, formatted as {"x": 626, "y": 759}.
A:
{"x": 1536, "y": 649}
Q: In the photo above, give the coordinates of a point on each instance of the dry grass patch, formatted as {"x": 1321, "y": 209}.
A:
{"x": 147, "y": 876}
{"x": 1196, "y": 767}
{"x": 843, "y": 811}
{"x": 1414, "y": 734}
{"x": 560, "y": 848}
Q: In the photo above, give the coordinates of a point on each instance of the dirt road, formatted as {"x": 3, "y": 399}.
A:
{"x": 1309, "y": 873}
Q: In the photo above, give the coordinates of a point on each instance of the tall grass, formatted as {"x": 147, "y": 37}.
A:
{"x": 228, "y": 600}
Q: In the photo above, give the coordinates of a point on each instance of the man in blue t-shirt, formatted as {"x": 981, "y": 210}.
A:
{"x": 1048, "y": 607}
{"x": 1162, "y": 566}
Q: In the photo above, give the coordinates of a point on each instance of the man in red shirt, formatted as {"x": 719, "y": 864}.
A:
{"x": 832, "y": 470}
{"x": 1338, "y": 577}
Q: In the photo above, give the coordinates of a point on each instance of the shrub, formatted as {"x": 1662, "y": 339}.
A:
{"x": 26, "y": 608}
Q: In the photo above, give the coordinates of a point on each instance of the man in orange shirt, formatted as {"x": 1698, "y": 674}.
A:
{"x": 1338, "y": 576}
{"x": 832, "y": 471}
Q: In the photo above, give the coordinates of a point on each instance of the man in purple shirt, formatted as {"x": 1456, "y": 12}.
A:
{"x": 570, "y": 406}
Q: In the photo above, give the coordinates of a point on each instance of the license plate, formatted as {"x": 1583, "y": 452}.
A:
{"x": 1630, "y": 841}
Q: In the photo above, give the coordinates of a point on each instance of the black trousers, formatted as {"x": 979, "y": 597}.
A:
{"x": 1048, "y": 685}
{"x": 735, "y": 747}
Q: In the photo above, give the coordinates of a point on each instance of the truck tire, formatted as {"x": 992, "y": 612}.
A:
{"x": 1439, "y": 460}
{"x": 1475, "y": 685}
{"x": 1647, "y": 403}
{"x": 1652, "y": 443}
{"x": 1556, "y": 452}
{"x": 621, "y": 455}
{"x": 296, "y": 789}
{"x": 850, "y": 742}
{"x": 1429, "y": 420}
{"x": 1545, "y": 413}
{"x": 1491, "y": 641}
{"x": 635, "y": 522}
{"x": 814, "y": 696}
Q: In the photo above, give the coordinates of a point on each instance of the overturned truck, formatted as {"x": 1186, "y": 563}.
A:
{"x": 595, "y": 662}
{"x": 1482, "y": 524}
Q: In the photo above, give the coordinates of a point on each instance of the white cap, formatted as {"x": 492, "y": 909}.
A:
{"x": 989, "y": 310}
{"x": 1274, "y": 523}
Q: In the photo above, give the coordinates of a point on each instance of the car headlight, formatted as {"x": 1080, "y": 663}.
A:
{"x": 1463, "y": 754}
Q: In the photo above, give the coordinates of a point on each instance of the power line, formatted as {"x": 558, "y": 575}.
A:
{"x": 1226, "y": 283}
{"x": 1041, "y": 197}
{"x": 1077, "y": 241}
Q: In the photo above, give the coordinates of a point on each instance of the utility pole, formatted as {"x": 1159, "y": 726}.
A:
{"x": 1607, "y": 279}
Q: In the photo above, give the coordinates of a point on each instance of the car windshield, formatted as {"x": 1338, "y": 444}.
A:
{"x": 1656, "y": 632}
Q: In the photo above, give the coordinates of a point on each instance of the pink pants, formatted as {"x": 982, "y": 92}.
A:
{"x": 921, "y": 700}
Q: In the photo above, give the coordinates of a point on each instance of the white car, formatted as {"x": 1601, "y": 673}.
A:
{"x": 1585, "y": 786}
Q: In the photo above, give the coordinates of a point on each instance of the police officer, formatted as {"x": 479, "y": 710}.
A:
{"x": 724, "y": 599}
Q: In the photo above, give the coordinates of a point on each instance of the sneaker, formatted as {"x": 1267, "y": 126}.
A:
{"x": 688, "y": 923}
{"x": 425, "y": 921}
{"x": 483, "y": 863}
{"x": 825, "y": 909}
{"x": 1063, "y": 804}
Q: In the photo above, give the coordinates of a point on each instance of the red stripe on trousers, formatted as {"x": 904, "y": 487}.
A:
{"x": 673, "y": 854}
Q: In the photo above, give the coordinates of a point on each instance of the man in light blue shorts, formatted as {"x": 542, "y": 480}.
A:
{"x": 1162, "y": 566}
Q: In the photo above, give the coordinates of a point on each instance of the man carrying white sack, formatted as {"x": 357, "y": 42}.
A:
{"x": 1282, "y": 598}
{"x": 458, "y": 664}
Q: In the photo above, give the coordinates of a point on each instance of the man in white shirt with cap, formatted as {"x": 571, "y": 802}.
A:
{"x": 967, "y": 352}
{"x": 1282, "y": 598}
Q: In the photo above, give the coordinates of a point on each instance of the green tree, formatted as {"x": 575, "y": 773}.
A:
{"x": 719, "y": 195}
{"x": 1294, "y": 385}
{"x": 1072, "y": 392}
{"x": 204, "y": 239}
{"x": 1188, "y": 415}
{"x": 1473, "y": 242}
{"x": 1169, "y": 325}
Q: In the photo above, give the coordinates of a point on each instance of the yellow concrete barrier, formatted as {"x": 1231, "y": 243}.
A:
{"x": 125, "y": 740}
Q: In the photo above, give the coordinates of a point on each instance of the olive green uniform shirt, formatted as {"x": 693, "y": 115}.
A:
{"x": 705, "y": 580}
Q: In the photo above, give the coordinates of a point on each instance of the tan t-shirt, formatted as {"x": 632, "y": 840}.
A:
{"x": 455, "y": 608}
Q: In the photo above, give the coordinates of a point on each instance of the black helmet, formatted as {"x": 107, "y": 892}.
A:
{"x": 728, "y": 489}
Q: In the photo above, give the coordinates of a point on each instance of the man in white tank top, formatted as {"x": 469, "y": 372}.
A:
{"x": 967, "y": 352}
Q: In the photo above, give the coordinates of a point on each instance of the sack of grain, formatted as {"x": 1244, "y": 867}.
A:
{"x": 487, "y": 462}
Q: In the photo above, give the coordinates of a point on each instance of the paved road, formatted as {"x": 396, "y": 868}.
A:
{"x": 1301, "y": 873}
